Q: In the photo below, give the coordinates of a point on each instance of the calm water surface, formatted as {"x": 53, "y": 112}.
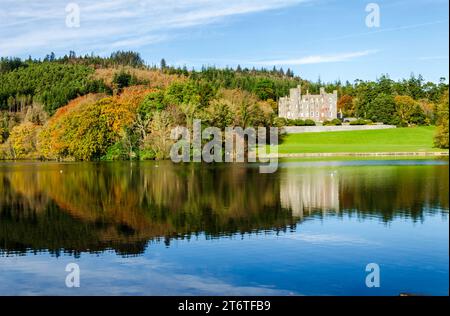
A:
{"x": 163, "y": 229}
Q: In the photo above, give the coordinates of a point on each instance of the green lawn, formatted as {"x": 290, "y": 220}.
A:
{"x": 418, "y": 139}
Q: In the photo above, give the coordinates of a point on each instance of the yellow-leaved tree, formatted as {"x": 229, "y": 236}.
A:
{"x": 22, "y": 141}
{"x": 84, "y": 129}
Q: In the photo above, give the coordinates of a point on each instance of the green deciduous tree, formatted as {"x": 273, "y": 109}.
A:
{"x": 442, "y": 137}
{"x": 381, "y": 109}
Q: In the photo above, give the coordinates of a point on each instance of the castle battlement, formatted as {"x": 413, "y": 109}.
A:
{"x": 317, "y": 107}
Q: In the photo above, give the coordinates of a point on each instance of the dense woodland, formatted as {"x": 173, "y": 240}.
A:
{"x": 93, "y": 108}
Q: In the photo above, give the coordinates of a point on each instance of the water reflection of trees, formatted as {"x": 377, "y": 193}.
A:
{"x": 94, "y": 207}
{"x": 390, "y": 191}
{"x": 383, "y": 192}
{"x": 91, "y": 207}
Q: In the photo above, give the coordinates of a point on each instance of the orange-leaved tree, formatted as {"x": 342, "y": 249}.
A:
{"x": 85, "y": 128}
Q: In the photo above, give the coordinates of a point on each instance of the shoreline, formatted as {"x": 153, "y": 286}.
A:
{"x": 430, "y": 154}
{"x": 359, "y": 154}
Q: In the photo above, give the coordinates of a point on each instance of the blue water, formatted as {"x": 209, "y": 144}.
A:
{"x": 307, "y": 230}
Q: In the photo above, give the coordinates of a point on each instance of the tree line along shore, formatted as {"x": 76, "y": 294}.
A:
{"x": 119, "y": 108}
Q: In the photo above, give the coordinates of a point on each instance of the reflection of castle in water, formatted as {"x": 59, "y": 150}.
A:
{"x": 123, "y": 207}
{"x": 306, "y": 192}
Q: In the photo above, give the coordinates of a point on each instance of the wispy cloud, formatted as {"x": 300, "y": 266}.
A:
{"x": 429, "y": 58}
{"x": 111, "y": 275}
{"x": 28, "y": 26}
{"x": 387, "y": 30}
{"x": 317, "y": 59}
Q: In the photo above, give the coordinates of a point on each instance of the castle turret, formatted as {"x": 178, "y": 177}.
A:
{"x": 295, "y": 93}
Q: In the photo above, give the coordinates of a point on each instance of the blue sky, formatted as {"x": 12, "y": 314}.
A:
{"x": 316, "y": 38}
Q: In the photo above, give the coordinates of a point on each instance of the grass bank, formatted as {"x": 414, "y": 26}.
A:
{"x": 417, "y": 139}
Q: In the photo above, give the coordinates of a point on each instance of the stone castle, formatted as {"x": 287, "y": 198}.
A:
{"x": 318, "y": 108}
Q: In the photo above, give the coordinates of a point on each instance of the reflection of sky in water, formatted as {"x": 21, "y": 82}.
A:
{"x": 321, "y": 256}
{"x": 314, "y": 225}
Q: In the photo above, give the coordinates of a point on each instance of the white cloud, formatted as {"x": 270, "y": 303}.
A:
{"x": 429, "y": 58}
{"x": 386, "y": 30}
{"x": 30, "y": 26}
{"x": 327, "y": 239}
{"x": 108, "y": 274}
{"x": 317, "y": 59}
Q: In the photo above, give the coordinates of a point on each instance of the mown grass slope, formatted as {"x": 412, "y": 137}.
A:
{"x": 417, "y": 139}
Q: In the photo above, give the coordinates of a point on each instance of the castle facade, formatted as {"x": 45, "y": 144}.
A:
{"x": 318, "y": 107}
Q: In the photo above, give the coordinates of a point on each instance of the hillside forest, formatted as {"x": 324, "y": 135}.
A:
{"x": 119, "y": 108}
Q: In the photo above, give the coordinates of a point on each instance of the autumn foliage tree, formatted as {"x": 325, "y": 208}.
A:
{"x": 84, "y": 131}
{"x": 409, "y": 110}
{"x": 22, "y": 141}
{"x": 442, "y": 136}
{"x": 346, "y": 105}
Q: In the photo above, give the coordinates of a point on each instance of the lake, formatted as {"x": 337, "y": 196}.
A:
{"x": 156, "y": 228}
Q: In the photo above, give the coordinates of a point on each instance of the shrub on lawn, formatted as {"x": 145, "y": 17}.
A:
{"x": 296, "y": 122}
{"x": 361, "y": 122}
{"x": 335, "y": 122}
{"x": 288, "y": 122}
{"x": 280, "y": 122}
